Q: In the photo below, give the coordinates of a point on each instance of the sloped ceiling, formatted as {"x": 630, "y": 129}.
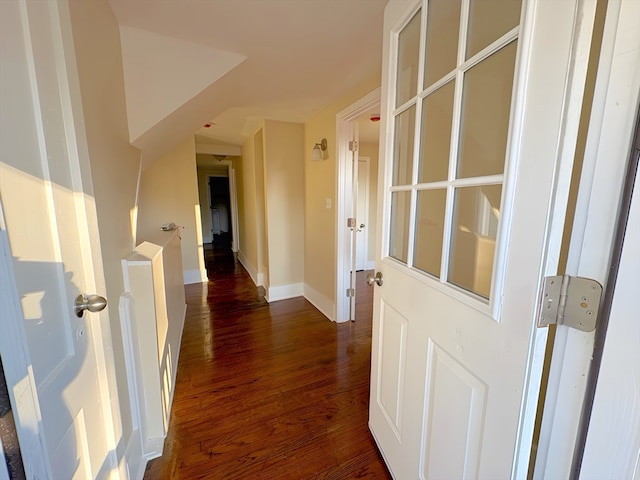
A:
{"x": 300, "y": 55}
{"x": 162, "y": 73}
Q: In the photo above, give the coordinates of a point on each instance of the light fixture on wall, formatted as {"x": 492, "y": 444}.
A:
{"x": 319, "y": 151}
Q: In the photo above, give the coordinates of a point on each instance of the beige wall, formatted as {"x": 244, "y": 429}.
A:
{"x": 261, "y": 221}
{"x": 284, "y": 188}
{"x": 320, "y": 185}
{"x": 371, "y": 150}
{"x": 114, "y": 162}
{"x": 247, "y": 219}
{"x": 169, "y": 193}
{"x": 271, "y": 213}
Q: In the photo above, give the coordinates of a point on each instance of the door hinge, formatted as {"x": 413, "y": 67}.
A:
{"x": 353, "y": 146}
{"x": 570, "y": 301}
{"x": 351, "y": 292}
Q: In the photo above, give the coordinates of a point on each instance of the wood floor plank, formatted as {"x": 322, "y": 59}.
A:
{"x": 268, "y": 391}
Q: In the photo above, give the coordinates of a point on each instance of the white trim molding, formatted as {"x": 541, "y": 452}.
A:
{"x": 283, "y": 292}
{"x": 344, "y": 204}
{"x": 251, "y": 270}
{"x": 326, "y": 306}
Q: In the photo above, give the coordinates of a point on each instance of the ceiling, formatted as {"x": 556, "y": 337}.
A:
{"x": 301, "y": 55}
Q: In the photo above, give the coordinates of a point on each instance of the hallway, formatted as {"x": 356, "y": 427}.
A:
{"x": 268, "y": 391}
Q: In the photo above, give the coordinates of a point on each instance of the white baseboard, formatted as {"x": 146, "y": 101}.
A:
{"x": 251, "y": 270}
{"x": 194, "y": 276}
{"x": 282, "y": 292}
{"x": 133, "y": 462}
{"x": 326, "y": 306}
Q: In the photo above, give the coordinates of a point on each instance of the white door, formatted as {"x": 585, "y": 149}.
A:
{"x": 49, "y": 243}
{"x": 362, "y": 209}
{"x": 479, "y": 108}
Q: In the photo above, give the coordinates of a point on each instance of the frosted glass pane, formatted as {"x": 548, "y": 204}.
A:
{"x": 443, "y": 26}
{"x": 475, "y": 226}
{"x": 488, "y": 21}
{"x": 399, "y": 225}
{"x": 435, "y": 141}
{"x": 403, "y": 147}
{"x": 429, "y": 230}
{"x": 486, "y": 102}
{"x": 408, "y": 55}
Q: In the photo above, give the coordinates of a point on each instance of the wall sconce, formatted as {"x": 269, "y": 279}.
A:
{"x": 319, "y": 151}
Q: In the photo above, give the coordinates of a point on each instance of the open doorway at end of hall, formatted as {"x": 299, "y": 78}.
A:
{"x": 217, "y": 208}
{"x": 220, "y": 211}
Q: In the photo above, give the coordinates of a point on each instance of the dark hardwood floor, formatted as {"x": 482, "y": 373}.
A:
{"x": 268, "y": 391}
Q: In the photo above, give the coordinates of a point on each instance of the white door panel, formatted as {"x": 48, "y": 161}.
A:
{"x": 392, "y": 351}
{"x": 455, "y": 317}
{"x": 45, "y": 190}
{"x": 454, "y": 417}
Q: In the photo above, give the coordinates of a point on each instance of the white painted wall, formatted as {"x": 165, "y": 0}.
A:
{"x": 162, "y": 73}
{"x": 169, "y": 194}
{"x": 613, "y": 442}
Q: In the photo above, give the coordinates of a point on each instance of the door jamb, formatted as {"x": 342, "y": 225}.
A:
{"x": 573, "y": 350}
{"x": 367, "y": 196}
{"x": 343, "y": 197}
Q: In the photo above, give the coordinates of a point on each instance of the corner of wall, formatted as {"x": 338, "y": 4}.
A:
{"x": 326, "y": 305}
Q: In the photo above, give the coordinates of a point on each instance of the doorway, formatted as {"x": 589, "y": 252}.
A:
{"x": 220, "y": 208}
{"x": 363, "y": 230}
{"x": 357, "y": 134}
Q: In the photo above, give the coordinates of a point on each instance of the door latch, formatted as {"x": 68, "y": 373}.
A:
{"x": 570, "y": 301}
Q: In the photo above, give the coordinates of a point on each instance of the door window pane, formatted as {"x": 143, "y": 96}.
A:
{"x": 403, "y": 147}
{"x": 429, "y": 230}
{"x": 475, "y": 227}
{"x": 486, "y": 102}
{"x": 408, "y": 55}
{"x": 435, "y": 141}
{"x": 399, "y": 225}
{"x": 443, "y": 26}
{"x": 488, "y": 21}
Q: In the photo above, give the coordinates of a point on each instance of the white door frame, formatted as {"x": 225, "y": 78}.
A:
{"x": 614, "y": 107}
{"x": 344, "y": 204}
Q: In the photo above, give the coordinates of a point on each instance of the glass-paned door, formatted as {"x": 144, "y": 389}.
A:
{"x": 451, "y": 137}
{"x": 476, "y": 97}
